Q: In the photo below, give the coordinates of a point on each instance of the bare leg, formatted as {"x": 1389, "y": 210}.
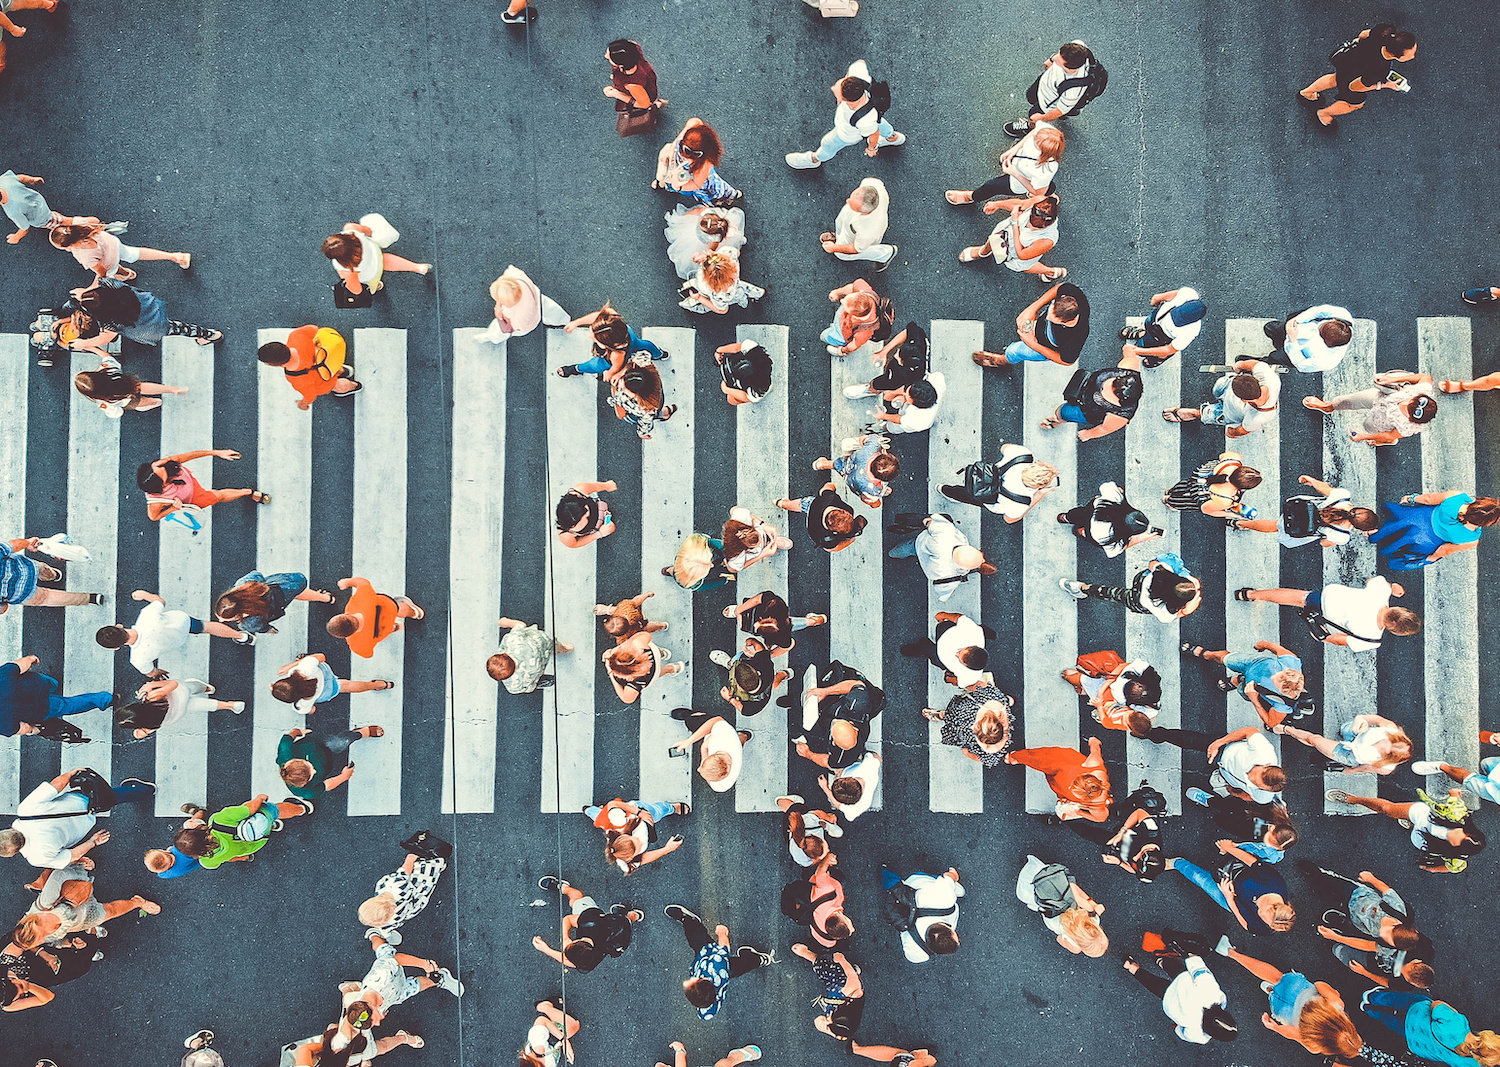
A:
{"x": 516, "y": 7}
{"x": 157, "y": 389}
{"x": 1338, "y": 107}
{"x": 879, "y": 1053}
{"x": 1292, "y": 598}
{"x": 391, "y": 261}
{"x": 651, "y": 628}
{"x": 1258, "y": 525}
{"x": 226, "y": 495}
{"x": 734, "y": 1059}
{"x": 385, "y": 1044}
{"x": 1322, "y": 85}
{"x": 1382, "y": 807}
{"x": 1264, "y": 971}
{"x": 1216, "y": 657}
{"x": 320, "y": 595}
{"x": 348, "y": 685}
{"x": 1476, "y": 385}
{"x": 115, "y": 909}
{"x": 289, "y": 811}
{"x": 182, "y": 259}
{"x": 218, "y": 629}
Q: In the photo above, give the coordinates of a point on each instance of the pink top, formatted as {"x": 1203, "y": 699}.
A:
{"x": 184, "y": 487}
{"x": 106, "y": 254}
{"x": 525, "y": 314}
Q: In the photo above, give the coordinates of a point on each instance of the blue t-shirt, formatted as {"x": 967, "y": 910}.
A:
{"x": 1249, "y": 886}
{"x": 1434, "y": 1029}
{"x": 1263, "y": 669}
{"x": 181, "y": 864}
{"x": 25, "y": 206}
{"x": 1446, "y": 524}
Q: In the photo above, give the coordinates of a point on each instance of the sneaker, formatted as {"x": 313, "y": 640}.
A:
{"x": 803, "y": 160}
{"x": 679, "y": 913}
{"x": 96, "y": 598}
{"x": 1478, "y": 296}
{"x": 854, "y": 392}
{"x": 618, "y": 909}
{"x": 895, "y": 251}
{"x": 237, "y": 706}
{"x": 1338, "y": 796}
{"x": 447, "y": 981}
{"x": 202, "y": 1039}
{"x": 1132, "y": 333}
{"x": 1426, "y": 766}
{"x": 833, "y": 831}
{"x": 834, "y": 350}
{"x": 520, "y": 18}
{"x": 664, "y": 355}
{"x": 139, "y": 781}
{"x": 1266, "y": 987}
{"x": 1072, "y": 588}
{"x": 307, "y": 805}
{"x": 276, "y": 828}
{"x": 1019, "y": 128}
{"x": 391, "y": 937}
{"x": 549, "y": 883}
{"x": 954, "y": 493}
{"x": 1274, "y": 330}
{"x": 723, "y": 659}
{"x": 766, "y": 958}
{"x": 98, "y": 956}
{"x": 896, "y": 141}
{"x": 245, "y": 639}
{"x": 1222, "y": 946}
{"x": 1197, "y": 796}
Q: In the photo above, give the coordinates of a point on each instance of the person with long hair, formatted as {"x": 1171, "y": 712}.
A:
{"x": 550, "y": 1038}
{"x": 117, "y": 392}
{"x": 1360, "y": 67}
{"x": 99, "y": 250}
{"x": 689, "y": 165}
{"x": 1309, "y": 1013}
{"x": 1080, "y": 782}
{"x": 1021, "y": 238}
{"x": 257, "y": 600}
{"x": 1215, "y": 488}
{"x": 28, "y": 976}
{"x": 359, "y": 256}
{"x": 1028, "y": 172}
{"x": 614, "y": 343}
{"x": 699, "y": 564}
{"x": 1400, "y": 403}
{"x": 1425, "y": 527}
{"x": 635, "y": 663}
{"x": 235, "y": 833}
{"x": 1164, "y": 588}
{"x": 693, "y": 232}
{"x": 109, "y": 309}
{"x": 716, "y": 286}
{"x": 1050, "y": 890}
{"x": 1366, "y": 744}
{"x": 1442, "y": 829}
{"x": 1372, "y": 930}
{"x": 582, "y": 518}
{"x": 66, "y": 906}
{"x": 165, "y": 701}
{"x": 309, "y": 681}
{"x": 862, "y": 316}
{"x": 1327, "y": 518}
{"x": 627, "y": 618}
{"x": 1189, "y": 993}
{"x": 749, "y": 540}
{"x": 977, "y": 722}
{"x": 1433, "y": 1029}
{"x": 637, "y": 397}
{"x": 589, "y": 933}
{"x": 766, "y": 617}
{"x": 1249, "y": 888}
{"x": 1109, "y": 520}
{"x": 170, "y": 487}
{"x": 629, "y": 828}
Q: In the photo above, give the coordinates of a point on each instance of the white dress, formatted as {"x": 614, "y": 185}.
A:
{"x": 685, "y": 239}
{"x": 737, "y": 295}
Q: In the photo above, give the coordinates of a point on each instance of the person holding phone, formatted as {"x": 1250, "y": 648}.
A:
{"x": 1361, "y": 66}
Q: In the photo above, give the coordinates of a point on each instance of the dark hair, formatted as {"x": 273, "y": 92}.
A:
{"x": 295, "y": 687}
{"x": 1128, "y": 390}
{"x": 610, "y": 330}
{"x": 942, "y": 939}
{"x": 1245, "y": 385}
{"x": 645, "y": 383}
{"x": 1048, "y": 207}
{"x": 700, "y": 992}
{"x": 1243, "y": 477}
{"x": 112, "y": 637}
{"x": 1482, "y": 511}
{"x": 329, "y": 1058}
{"x": 10, "y": 990}
{"x": 701, "y": 145}
{"x": 342, "y": 626}
{"x": 1424, "y": 410}
{"x": 847, "y": 790}
{"x": 193, "y": 841}
{"x": 106, "y": 384}
{"x": 1419, "y": 973}
{"x": 1273, "y": 777}
{"x": 572, "y": 509}
{"x": 1149, "y": 864}
{"x": 837, "y": 520}
{"x": 737, "y": 537}
{"x": 886, "y": 465}
{"x": 584, "y": 955}
{"x": 838, "y": 927}
{"x": 274, "y": 353}
{"x": 923, "y": 394}
{"x": 1336, "y": 333}
{"x": 1399, "y": 41}
{"x": 1138, "y": 723}
{"x": 1218, "y": 1024}
{"x": 244, "y": 601}
{"x": 1065, "y": 306}
{"x": 500, "y": 666}
{"x": 1075, "y": 54}
{"x": 1364, "y": 519}
{"x": 974, "y": 657}
{"x": 343, "y": 249}
{"x": 142, "y": 714}
{"x": 852, "y": 88}
{"x": 623, "y": 53}
{"x": 746, "y": 677}
{"x": 151, "y": 482}
{"x": 1405, "y": 936}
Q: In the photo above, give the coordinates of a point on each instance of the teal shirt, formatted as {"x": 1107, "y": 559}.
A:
{"x": 1445, "y": 521}
{"x": 312, "y": 750}
{"x": 1434, "y": 1030}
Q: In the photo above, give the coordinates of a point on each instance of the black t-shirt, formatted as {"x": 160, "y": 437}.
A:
{"x": 1366, "y": 61}
{"x": 1093, "y": 402}
{"x": 609, "y": 933}
{"x": 771, "y": 606}
{"x": 1162, "y": 587}
{"x": 1066, "y": 341}
{"x": 826, "y": 501}
{"x": 907, "y": 365}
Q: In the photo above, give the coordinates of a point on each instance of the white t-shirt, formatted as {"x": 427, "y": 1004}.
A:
{"x": 938, "y": 893}
{"x": 1190, "y": 992}
{"x": 722, "y": 737}
{"x": 1355, "y": 609}
{"x": 867, "y": 770}
{"x": 1304, "y": 344}
{"x": 48, "y": 841}
{"x": 1046, "y": 91}
{"x": 1333, "y": 534}
{"x": 843, "y": 124}
{"x": 919, "y": 420}
{"x": 863, "y": 229}
{"x": 965, "y": 633}
{"x": 1238, "y": 757}
{"x": 540, "y": 1040}
{"x": 158, "y": 633}
{"x": 1247, "y": 416}
{"x": 1038, "y": 175}
{"x": 1181, "y": 336}
{"x": 1013, "y": 509}
{"x": 307, "y": 667}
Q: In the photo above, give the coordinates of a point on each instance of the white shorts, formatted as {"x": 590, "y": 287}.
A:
{"x": 583, "y": 904}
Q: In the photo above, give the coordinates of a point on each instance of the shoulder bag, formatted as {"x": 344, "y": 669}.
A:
{"x": 1321, "y": 627}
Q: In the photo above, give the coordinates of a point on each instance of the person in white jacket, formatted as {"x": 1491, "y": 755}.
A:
{"x": 1312, "y": 341}
{"x": 1190, "y": 996}
{"x": 931, "y": 906}
{"x": 520, "y": 307}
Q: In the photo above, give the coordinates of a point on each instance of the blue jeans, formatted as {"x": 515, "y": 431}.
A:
{"x": 598, "y": 364}
{"x": 906, "y": 549}
{"x": 58, "y": 706}
{"x": 1073, "y": 413}
{"x": 833, "y": 144}
{"x": 1203, "y": 880}
{"x": 1021, "y": 352}
{"x": 132, "y": 794}
{"x": 1389, "y": 1006}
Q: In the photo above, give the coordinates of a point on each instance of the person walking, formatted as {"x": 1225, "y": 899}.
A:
{"x": 767, "y": 617}
{"x": 582, "y": 517}
{"x": 956, "y": 648}
{"x": 859, "y": 117}
{"x": 1249, "y": 889}
{"x": 1263, "y": 830}
{"x": 1175, "y": 321}
{"x": 28, "y": 977}
{"x": 749, "y": 540}
{"x": 1028, "y": 171}
{"x": 236, "y": 833}
{"x": 745, "y": 1053}
{"x": 859, "y": 230}
{"x": 926, "y": 910}
{"x": 386, "y": 984}
{"x": 520, "y": 307}
{"x": 1361, "y": 66}
{"x": 851, "y": 790}
{"x": 1190, "y": 995}
{"x": 1344, "y": 615}
{"x": 1270, "y": 678}
{"x": 716, "y": 286}
{"x": 1327, "y": 518}
{"x": 1052, "y": 327}
{"x": 1110, "y": 521}
{"x": 693, "y": 232}
{"x": 689, "y": 166}
{"x": 1245, "y": 400}
{"x": 1021, "y": 238}
{"x": 157, "y": 632}
{"x": 638, "y": 399}
{"x": 359, "y": 256}
{"x": 1215, "y": 488}
{"x": 1122, "y": 694}
{"x": 1243, "y": 761}
{"x": 402, "y": 894}
{"x": 831, "y": 523}
{"x": 1102, "y": 401}
{"x": 1069, "y": 80}
{"x": 745, "y": 369}
{"x": 1401, "y": 403}
{"x": 1366, "y": 744}
{"x": 977, "y": 722}
{"x": 65, "y": 906}
{"x": 589, "y": 933}
{"x": 314, "y": 360}
{"x": 614, "y": 343}
{"x": 1164, "y": 588}
{"x": 635, "y": 663}
{"x": 54, "y": 824}
{"x": 1137, "y": 844}
{"x": 1432, "y": 1029}
{"x": 28, "y": 699}
{"x": 807, "y": 830}
{"x": 23, "y": 204}
{"x": 1050, "y": 890}
{"x": 109, "y": 309}
{"x": 97, "y": 249}
{"x": 1309, "y": 1013}
{"x": 722, "y": 756}
{"x": 632, "y": 86}
{"x": 525, "y": 653}
{"x": 116, "y": 392}
{"x": 867, "y": 465}
{"x": 1010, "y": 487}
{"x": 257, "y": 600}
{"x": 836, "y": 717}
{"x": 1371, "y": 928}
{"x": 713, "y": 964}
{"x": 1080, "y": 782}
{"x": 309, "y": 681}
{"x": 310, "y": 763}
{"x": 1313, "y": 341}
{"x": 1443, "y": 829}
{"x": 630, "y": 826}
{"x": 1423, "y": 528}
{"x": 860, "y": 317}
{"x": 166, "y": 701}
{"x": 173, "y": 490}
{"x": 913, "y": 408}
{"x": 942, "y": 549}
{"x": 550, "y": 1038}
{"x": 370, "y": 617}
{"x": 699, "y": 564}
{"x": 903, "y": 360}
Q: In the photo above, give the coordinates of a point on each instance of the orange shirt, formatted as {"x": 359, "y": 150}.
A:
{"x": 379, "y": 613}
{"x": 317, "y": 358}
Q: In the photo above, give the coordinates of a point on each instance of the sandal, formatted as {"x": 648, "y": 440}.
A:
{"x": 1187, "y": 648}
{"x": 1243, "y": 593}
{"x": 376, "y": 731}
{"x": 952, "y": 196}
{"x": 260, "y": 498}
{"x": 384, "y": 685}
{"x": 968, "y": 255}
{"x": 212, "y": 336}
{"x": 411, "y": 1039}
{"x": 667, "y": 412}
{"x": 566, "y": 371}
{"x": 1226, "y": 686}
{"x": 1057, "y": 274}
{"x": 1448, "y": 385}
{"x": 1051, "y": 422}
{"x": 1172, "y": 415}
{"x": 150, "y": 907}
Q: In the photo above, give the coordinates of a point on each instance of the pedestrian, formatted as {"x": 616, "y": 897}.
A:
{"x": 851, "y": 790}
{"x": 172, "y": 862}
{"x": 1326, "y": 518}
{"x": 163, "y": 702}
{"x": 699, "y": 564}
{"x": 1028, "y": 171}
{"x": 53, "y": 821}
{"x": 1309, "y": 1013}
{"x": 257, "y": 600}
{"x": 1243, "y": 761}
{"x": 842, "y": 1003}
{"x": 912, "y": 408}
{"x": 1080, "y": 782}
{"x": 551, "y": 1036}
{"x": 1190, "y": 995}
{"x": 171, "y": 488}
{"x": 369, "y": 617}
{"x": 1052, "y": 327}
{"x": 867, "y": 465}
{"x": 632, "y": 86}
{"x": 717, "y": 286}
{"x": 752, "y": 675}
{"x": 859, "y": 117}
{"x": 1423, "y": 528}
{"x": 941, "y": 548}
{"x": 693, "y": 232}
{"x": 1367, "y": 744}
{"x": 1248, "y": 888}
{"x": 1215, "y": 488}
{"x": 200, "y": 1051}
{"x": 117, "y": 392}
{"x": 625, "y": 619}
{"x": 745, "y": 1053}
{"x": 1313, "y": 341}
{"x": 723, "y": 751}
{"x": 1483, "y": 783}
{"x": 1164, "y": 588}
{"x": 402, "y": 894}
{"x": 635, "y": 663}
{"x": 1270, "y": 678}
{"x": 589, "y": 933}
{"x": 1371, "y": 928}
{"x": 29, "y": 976}
{"x": 1175, "y": 321}
{"x": 713, "y": 964}
{"x": 309, "y": 763}
{"x": 7, "y": 26}
{"x": 816, "y": 901}
{"x": 1021, "y": 238}
{"x": 236, "y": 833}
{"x": 28, "y": 699}
{"x": 520, "y": 13}
{"x": 630, "y": 825}
{"x": 386, "y": 984}
{"x": 1356, "y": 618}
{"x": 745, "y": 369}
{"x": 1263, "y": 830}
{"x": 582, "y": 517}
{"x": 831, "y": 523}
{"x": 614, "y": 343}
{"x": 66, "y": 905}
{"x": 1051, "y": 890}
{"x": 1122, "y": 694}
{"x": 97, "y": 249}
{"x": 1110, "y": 521}
{"x": 1010, "y": 487}
{"x": 859, "y": 230}
{"x": 1360, "y": 66}
{"x": 359, "y": 255}
{"x": 925, "y": 908}
{"x": 749, "y": 540}
{"x": 28, "y": 208}
{"x": 919, "y": 1057}
{"x": 1102, "y": 401}
{"x": 520, "y": 307}
{"x": 109, "y": 309}
{"x": 903, "y": 360}
{"x": 1400, "y": 404}
{"x": 1137, "y": 844}
{"x": 807, "y": 830}
{"x": 309, "y": 681}
{"x": 314, "y": 360}
{"x": 956, "y": 648}
{"x": 977, "y": 722}
{"x": 767, "y": 617}
{"x": 1245, "y": 400}
{"x": 1069, "y": 81}
{"x": 689, "y": 166}
{"x": 1443, "y": 830}
{"x": 1433, "y": 1029}
{"x": 836, "y": 718}
{"x": 637, "y": 397}
{"x": 862, "y": 316}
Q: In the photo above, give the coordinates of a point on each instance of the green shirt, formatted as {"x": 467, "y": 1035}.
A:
{"x": 315, "y": 752}
{"x": 227, "y": 847}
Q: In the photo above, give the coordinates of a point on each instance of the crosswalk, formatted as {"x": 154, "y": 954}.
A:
{"x": 580, "y": 718}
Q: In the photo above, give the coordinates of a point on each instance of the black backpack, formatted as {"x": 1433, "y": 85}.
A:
{"x": 1094, "y": 83}
{"x": 1299, "y": 516}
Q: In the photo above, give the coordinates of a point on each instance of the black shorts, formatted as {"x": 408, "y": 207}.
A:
{"x": 1344, "y": 76}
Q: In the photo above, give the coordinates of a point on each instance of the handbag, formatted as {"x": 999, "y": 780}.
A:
{"x": 634, "y": 120}
{"x": 60, "y": 730}
{"x": 1321, "y": 627}
{"x": 95, "y": 789}
{"x": 343, "y": 298}
{"x": 424, "y": 844}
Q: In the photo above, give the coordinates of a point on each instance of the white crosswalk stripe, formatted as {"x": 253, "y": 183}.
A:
{"x": 14, "y": 355}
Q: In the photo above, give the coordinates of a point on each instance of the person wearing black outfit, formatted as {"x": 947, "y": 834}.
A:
{"x": 27, "y": 978}
{"x": 1372, "y": 930}
{"x": 1361, "y": 66}
{"x": 836, "y": 717}
{"x": 903, "y": 362}
{"x": 1053, "y": 327}
{"x": 1136, "y": 845}
{"x": 745, "y": 368}
{"x": 1110, "y": 521}
{"x": 1100, "y": 401}
{"x": 831, "y": 523}
{"x": 1268, "y": 826}
{"x": 632, "y": 86}
{"x": 589, "y": 934}
{"x": 767, "y": 617}
{"x": 752, "y": 675}
{"x": 1155, "y": 590}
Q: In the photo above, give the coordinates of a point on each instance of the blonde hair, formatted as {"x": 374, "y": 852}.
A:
{"x": 1283, "y": 917}
{"x": 990, "y": 725}
{"x": 1400, "y": 750}
{"x": 1049, "y": 144}
{"x": 1327, "y": 1030}
{"x": 1089, "y": 787}
{"x": 297, "y": 773}
{"x": 1085, "y": 930}
{"x": 506, "y": 291}
{"x": 1483, "y": 1045}
{"x": 720, "y": 271}
{"x": 28, "y": 933}
{"x": 1038, "y": 475}
{"x": 624, "y": 847}
{"x": 377, "y": 911}
{"x": 715, "y": 767}
{"x": 694, "y": 560}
